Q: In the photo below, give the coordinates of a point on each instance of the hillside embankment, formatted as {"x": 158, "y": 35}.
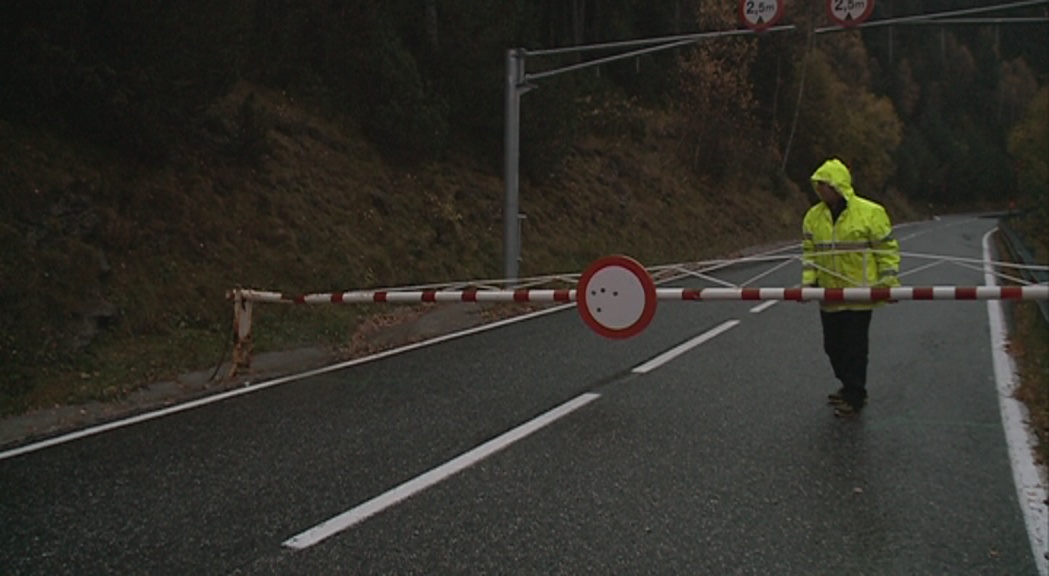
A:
{"x": 114, "y": 294}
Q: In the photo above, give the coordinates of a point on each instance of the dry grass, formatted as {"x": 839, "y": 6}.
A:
{"x": 1029, "y": 346}
{"x": 1029, "y": 338}
{"x": 627, "y": 191}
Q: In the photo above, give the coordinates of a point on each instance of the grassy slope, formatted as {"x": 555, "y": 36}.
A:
{"x": 1029, "y": 337}
{"x": 319, "y": 211}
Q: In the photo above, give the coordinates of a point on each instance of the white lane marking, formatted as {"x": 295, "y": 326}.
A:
{"x": 1030, "y": 487}
{"x": 763, "y": 307}
{"x": 248, "y": 389}
{"x": 682, "y": 348}
{"x": 419, "y": 483}
{"x": 925, "y": 231}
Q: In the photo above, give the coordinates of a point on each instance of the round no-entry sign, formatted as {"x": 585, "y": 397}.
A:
{"x": 849, "y": 12}
{"x": 616, "y": 297}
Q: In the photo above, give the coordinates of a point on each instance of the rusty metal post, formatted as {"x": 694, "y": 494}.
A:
{"x": 241, "y": 333}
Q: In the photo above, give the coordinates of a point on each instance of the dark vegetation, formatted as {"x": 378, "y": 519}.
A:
{"x": 157, "y": 153}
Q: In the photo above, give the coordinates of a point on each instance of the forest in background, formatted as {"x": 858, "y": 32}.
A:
{"x": 422, "y": 77}
{"x": 126, "y": 125}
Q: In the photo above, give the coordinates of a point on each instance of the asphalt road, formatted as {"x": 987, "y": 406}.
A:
{"x": 723, "y": 460}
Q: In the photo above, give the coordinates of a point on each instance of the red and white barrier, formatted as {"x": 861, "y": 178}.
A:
{"x": 1033, "y": 292}
{"x": 615, "y": 296}
{"x": 412, "y": 296}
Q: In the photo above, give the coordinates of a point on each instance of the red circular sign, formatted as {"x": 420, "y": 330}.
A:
{"x": 760, "y": 14}
{"x": 616, "y": 297}
{"x": 849, "y": 12}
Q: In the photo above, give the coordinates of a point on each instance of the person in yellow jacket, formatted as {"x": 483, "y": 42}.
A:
{"x": 847, "y": 241}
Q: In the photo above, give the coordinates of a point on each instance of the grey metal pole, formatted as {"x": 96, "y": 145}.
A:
{"x": 512, "y": 136}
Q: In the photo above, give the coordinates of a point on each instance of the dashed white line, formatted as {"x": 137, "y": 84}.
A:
{"x": 387, "y": 499}
{"x": 682, "y": 348}
{"x": 762, "y": 307}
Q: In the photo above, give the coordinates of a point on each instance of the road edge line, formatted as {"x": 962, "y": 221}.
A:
{"x": 258, "y": 387}
{"x": 1030, "y": 486}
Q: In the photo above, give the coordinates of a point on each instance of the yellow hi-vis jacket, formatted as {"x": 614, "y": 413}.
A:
{"x": 856, "y": 250}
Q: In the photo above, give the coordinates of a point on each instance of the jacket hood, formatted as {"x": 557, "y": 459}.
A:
{"x": 835, "y": 173}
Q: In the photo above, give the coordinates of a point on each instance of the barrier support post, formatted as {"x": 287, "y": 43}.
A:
{"x": 241, "y": 333}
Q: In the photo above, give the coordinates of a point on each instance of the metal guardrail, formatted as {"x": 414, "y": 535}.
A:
{"x": 1019, "y": 251}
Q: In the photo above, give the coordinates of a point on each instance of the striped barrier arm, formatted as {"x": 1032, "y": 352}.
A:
{"x": 644, "y": 308}
{"x": 1029, "y": 292}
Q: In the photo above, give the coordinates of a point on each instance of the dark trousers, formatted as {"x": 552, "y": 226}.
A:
{"x": 846, "y": 340}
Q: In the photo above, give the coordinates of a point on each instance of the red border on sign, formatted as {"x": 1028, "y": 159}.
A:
{"x": 849, "y": 23}
{"x": 768, "y": 23}
{"x": 647, "y": 285}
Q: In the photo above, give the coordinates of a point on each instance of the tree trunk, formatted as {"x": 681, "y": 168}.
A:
{"x": 578, "y": 22}
{"x": 431, "y": 23}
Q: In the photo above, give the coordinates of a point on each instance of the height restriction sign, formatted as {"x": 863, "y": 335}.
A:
{"x": 849, "y": 12}
{"x": 760, "y": 14}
